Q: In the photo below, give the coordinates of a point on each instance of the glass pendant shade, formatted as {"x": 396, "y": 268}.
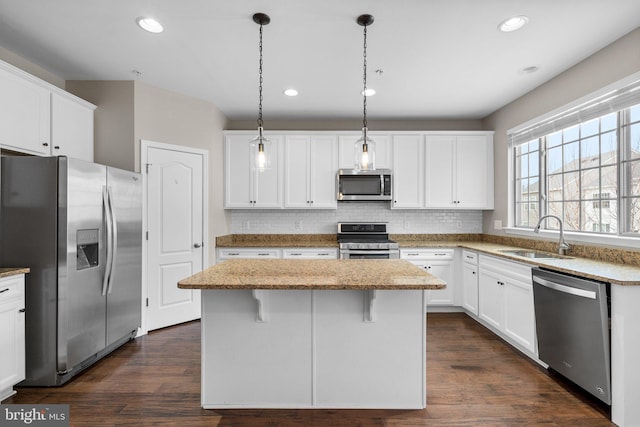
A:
{"x": 365, "y": 153}
{"x": 261, "y": 150}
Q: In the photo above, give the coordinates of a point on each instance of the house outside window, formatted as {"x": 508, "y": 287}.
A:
{"x": 587, "y": 173}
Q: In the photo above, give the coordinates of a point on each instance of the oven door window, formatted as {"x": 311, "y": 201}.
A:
{"x": 368, "y": 256}
{"x": 360, "y": 185}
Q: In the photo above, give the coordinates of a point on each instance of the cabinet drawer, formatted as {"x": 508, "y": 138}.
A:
{"x": 426, "y": 254}
{"x": 470, "y": 257}
{"x": 248, "y": 253}
{"x": 308, "y": 253}
{"x": 11, "y": 289}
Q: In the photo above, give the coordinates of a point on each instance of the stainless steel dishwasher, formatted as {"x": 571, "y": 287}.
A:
{"x": 572, "y": 324}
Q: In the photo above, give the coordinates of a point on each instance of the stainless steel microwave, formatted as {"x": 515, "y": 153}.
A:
{"x": 353, "y": 184}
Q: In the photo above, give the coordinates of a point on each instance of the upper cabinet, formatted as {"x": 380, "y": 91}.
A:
{"x": 25, "y": 114}
{"x": 310, "y": 166}
{"x": 71, "y": 127}
{"x": 459, "y": 171}
{"x": 443, "y": 171}
{"x": 347, "y": 153}
{"x": 246, "y": 187}
{"x": 40, "y": 119}
{"x": 431, "y": 170}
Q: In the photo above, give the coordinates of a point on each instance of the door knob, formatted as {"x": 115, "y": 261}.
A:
{"x": 196, "y": 245}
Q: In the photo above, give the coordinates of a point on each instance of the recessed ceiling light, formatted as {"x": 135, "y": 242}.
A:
{"x": 369, "y": 92}
{"x": 512, "y": 24}
{"x": 530, "y": 69}
{"x": 291, "y": 92}
{"x": 149, "y": 24}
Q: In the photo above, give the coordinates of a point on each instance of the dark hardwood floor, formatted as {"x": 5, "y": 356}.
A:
{"x": 473, "y": 379}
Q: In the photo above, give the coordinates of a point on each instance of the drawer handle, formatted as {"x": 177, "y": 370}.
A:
{"x": 440, "y": 254}
{"x": 323, "y": 254}
{"x": 4, "y": 290}
{"x": 469, "y": 257}
{"x": 22, "y": 310}
{"x": 233, "y": 253}
{"x": 412, "y": 254}
{"x": 264, "y": 254}
{"x": 295, "y": 254}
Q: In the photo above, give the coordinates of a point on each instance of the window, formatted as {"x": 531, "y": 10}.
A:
{"x": 587, "y": 173}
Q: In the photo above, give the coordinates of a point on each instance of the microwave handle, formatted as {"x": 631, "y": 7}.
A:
{"x": 381, "y": 183}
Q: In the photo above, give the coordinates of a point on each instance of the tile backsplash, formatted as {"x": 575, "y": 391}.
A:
{"x": 298, "y": 221}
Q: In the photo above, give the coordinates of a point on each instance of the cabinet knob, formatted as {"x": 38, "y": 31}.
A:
{"x": 45, "y": 144}
{"x": 197, "y": 245}
{"x": 56, "y": 147}
{"x": 22, "y": 310}
{"x": 473, "y": 272}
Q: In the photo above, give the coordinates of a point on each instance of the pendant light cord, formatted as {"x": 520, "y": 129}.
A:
{"x": 364, "y": 85}
{"x": 260, "y": 86}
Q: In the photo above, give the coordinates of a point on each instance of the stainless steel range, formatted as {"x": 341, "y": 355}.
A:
{"x": 366, "y": 240}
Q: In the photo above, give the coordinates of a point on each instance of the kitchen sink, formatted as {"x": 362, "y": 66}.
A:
{"x": 527, "y": 253}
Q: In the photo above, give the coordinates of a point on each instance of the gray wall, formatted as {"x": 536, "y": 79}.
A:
{"x": 616, "y": 61}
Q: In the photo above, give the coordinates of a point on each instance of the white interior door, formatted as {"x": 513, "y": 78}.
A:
{"x": 175, "y": 215}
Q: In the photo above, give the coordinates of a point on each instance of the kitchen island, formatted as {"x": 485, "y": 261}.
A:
{"x": 313, "y": 333}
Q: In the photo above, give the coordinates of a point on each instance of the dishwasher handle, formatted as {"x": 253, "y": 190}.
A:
{"x": 564, "y": 288}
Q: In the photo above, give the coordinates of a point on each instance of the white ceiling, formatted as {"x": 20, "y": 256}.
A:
{"x": 440, "y": 59}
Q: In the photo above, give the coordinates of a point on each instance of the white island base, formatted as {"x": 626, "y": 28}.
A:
{"x": 313, "y": 349}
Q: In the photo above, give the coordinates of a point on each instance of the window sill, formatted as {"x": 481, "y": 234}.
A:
{"x": 582, "y": 238}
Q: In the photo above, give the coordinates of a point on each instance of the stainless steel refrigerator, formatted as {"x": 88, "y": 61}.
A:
{"x": 78, "y": 226}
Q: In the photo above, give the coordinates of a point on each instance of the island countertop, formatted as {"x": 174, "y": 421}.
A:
{"x": 313, "y": 275}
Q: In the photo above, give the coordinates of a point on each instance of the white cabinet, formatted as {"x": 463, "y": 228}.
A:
{"x": 505, "y": 301}
{"x": 12, "y": 334}
{"x": 408, "y": 171}
{"x": 25, "y": 113}
{"x": 71, "y": 127}
{"x": 347, "y": 150}
{"x": 470, "y": 281}
{"x": 459, "y": 171}
{"x": 246, "y": 188}
{"x": 244, "y": 253}
{"x": 41, "y": 119}
{"x": 310, "y": 167}
{"x": 310, "y": 253}
{"x": 440, "y": 263}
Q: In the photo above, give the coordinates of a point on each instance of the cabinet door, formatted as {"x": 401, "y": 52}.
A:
{"x": 12, "y": 334}
{"x": 408, "y": 171}
{"x": 439, "y": 171}
{"x": 519, "y": 315}
{"x": 297, "y": 172}
{"x": 25, "y": 115}
{"x": 323, "y": 165}
{"x": 346, "y": 150}
{"x": 470, "y": 288}
{"x": 237, "y": 172}
{"x": 442, "y": 269}
{"x": 490, "y": 297}
{"x": 71, "y": 128}
{"x": 267, "y": 188}
{"x": 474, "y": 161}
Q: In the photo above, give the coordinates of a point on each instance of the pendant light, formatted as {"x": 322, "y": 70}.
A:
{"x": 261, "y": 146}
{"x": 365, "y": 152}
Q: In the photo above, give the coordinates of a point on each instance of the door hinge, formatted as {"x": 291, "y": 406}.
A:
{"x": 146, "y": 165}
{"x": 147, "y": 302}
{"x": 147, "y": 235}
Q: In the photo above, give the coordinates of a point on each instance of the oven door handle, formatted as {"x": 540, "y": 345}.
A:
{"x": 367, "y": 252}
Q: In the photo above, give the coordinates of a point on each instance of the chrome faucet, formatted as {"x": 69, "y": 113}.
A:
{"x": 563, "y": 246}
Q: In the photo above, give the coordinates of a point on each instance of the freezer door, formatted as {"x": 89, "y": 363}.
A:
{"x": 81, "y": 261}
{"x": 124, "y": 293}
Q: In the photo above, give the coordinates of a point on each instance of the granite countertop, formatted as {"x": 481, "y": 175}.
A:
{"x": 10, "y": 271}
{"x": 313, "y": 274}
{"x": 605, "y": 264}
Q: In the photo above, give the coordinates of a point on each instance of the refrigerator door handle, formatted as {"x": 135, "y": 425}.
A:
{"x": 114, "y": 239}
{"x": 107, "y": 214}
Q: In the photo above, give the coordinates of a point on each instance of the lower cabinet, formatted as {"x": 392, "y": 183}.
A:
{"x": 470, "y": 281}
{"x": 505, "y": 301}
{"x": 440, "y": 263}
{"x": 12, "y": 334}
{"x": 276, "y": 253}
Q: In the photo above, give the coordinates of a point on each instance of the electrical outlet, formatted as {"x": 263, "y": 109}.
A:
{"x": 459, "y": 224}
{"x": 246, "y": 224}
{"x": 497, "y": 224}
{"x": 407, "y": 225}
{"x": 297, "y": 224}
